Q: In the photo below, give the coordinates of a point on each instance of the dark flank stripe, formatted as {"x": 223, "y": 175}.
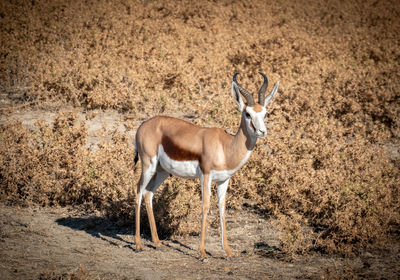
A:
{"x": 177, "y": 153}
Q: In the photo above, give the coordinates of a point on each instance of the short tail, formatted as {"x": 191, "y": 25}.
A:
{"x": 136, "y": 157}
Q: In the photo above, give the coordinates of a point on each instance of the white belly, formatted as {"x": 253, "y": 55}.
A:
{"x": 191, "y": 168}
{"x": 184, "y": 169}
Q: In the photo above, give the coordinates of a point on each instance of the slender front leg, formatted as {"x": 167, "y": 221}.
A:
{"x": 222, "y": 187}
{"x": 206, "y": 192}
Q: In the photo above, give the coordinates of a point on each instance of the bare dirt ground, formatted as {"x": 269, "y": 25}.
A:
{"x": 50, "y": 243}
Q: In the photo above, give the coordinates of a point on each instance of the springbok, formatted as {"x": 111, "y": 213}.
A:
{"x": 169, "y": 146}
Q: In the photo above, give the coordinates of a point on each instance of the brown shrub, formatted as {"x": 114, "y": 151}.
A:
{"x": 43, "y": 166}
{"x": 80, "y": 273}
{"x": 51, "y": 165}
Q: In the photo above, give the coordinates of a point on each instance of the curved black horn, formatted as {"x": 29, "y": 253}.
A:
{"x": 263, "y": 89}
{"x": 245, "y": 93}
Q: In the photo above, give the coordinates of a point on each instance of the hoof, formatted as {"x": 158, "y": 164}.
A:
{"x": 203, "y": 256}
{"x": 139, "y": 248}
{"x": 159, "y": 247}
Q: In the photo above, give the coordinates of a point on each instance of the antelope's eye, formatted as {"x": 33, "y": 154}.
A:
{"x": 247, "y": 115}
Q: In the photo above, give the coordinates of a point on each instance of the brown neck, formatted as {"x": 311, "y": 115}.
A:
{"x": 241, "y": 144}
{"x": 243, "y": 138}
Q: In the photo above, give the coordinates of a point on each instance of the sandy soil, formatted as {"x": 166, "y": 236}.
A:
{"x": 44, "y": 243}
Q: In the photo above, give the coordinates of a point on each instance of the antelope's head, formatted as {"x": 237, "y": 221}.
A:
{"x": 253, "y": 114}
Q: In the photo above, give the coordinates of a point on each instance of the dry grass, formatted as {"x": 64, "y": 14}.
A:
{"x": 80, "y": 273}
{"x": 329, "y": 169}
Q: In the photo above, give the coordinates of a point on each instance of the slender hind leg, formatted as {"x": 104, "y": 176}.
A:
{"x": 155, "y": 182}
{"x": 148, "y": 170}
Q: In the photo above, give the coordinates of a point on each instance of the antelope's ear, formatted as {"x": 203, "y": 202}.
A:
{"x": 237, "y": 96}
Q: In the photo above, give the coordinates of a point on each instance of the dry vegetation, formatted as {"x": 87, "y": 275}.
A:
{"x": 329, "y": 169}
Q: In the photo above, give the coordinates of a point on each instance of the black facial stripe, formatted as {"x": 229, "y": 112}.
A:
{"x": 252, "y": 125}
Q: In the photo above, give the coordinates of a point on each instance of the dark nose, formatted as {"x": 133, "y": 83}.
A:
{"x": 261, "y": 132}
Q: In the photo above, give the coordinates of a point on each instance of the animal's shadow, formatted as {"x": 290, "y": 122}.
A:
{"x": 123, "y": 236}
{"x": 117, "y": 235}
{"x": 99, "y": 227}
